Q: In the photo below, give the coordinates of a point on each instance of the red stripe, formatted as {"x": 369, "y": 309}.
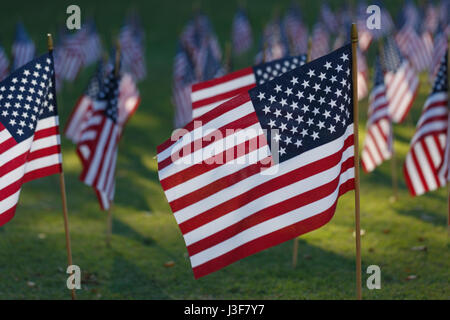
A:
{"x": 222, "y": 96}
{"x": 271, "y": 239}
{"x": 430, "y": 161}
{"x": 44, "y": 152}
{"x": 73, "y": 112}
{"x": 225, "y": 131}
{"x": 7, "y": 215}
{"x": 226, "y": 78}
{"x": 419, "y": 167}
{"x": 264, "y": 188}
{"x": 42, "y": 172}
{"x": 45, "y": 133}
{"x": 7, "y": 144}
{"x": 271, "y": 212}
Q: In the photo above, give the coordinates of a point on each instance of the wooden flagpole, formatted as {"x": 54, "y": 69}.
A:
{"x": 295, "y": 247}
{"x": 354, "y": 36}
{"x": 63, "y": 194}
{"x": 394, "y": 174}
{"x": 109, "y": 219}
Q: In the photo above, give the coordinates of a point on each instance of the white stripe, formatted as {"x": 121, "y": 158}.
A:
{"x": 425, "y": 167}
{"x": 9, "y": 202}
{"x": 16, "y": 150}
{"x": 46, "y": 123}
{"x": 413, "y": 174}
{"x": 197, "y": 112}
{"x": 45, "y": 143}
{"x": 97, "y": 157}
{"x": 43, "y": 162}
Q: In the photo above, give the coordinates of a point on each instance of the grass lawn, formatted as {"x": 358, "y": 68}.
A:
{"x": 146, "y": 236}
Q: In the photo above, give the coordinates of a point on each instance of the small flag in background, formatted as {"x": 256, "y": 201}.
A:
{"x": 296, "y": 31}
{"x": 363, "y": 71}
{"x": 209, "y": 94}
{"x": 378, "y": 141}
{"x": 320, "y": 41}
{"x": 97, "y": 147}
{"x": 133, "y": 51}
{"x": 4, "y": 64}
{"x": 418, "y": 49}
{"x": 23, "y": 48}
{"x": 329, "y": 18}
{"x": 426, "y": 154}
{"x": 29, "y": 132}
{"x": 400, "y": 78}
{"x": 183, "y": 78}
{"x": 83, "y": 108}
{"x": 228, "y": 209}
{"x": 274, "y": 42}
{"x": 241, "y": 34}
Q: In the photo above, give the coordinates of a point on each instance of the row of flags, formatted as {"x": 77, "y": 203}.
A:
{"x": 78, "y": 50}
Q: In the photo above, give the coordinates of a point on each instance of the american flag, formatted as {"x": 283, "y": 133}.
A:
{"x": 401, "y": 81}
{"x": 231, "y": 205}
{"x": 417, "y": 48}
{"x": 4, "y": 64}
{"x": 426, "y": 153}
{"x": 320, "y": 41}
{"x": 207, "y": 95}
{"x": 98, "y": 144}
{"x": 29, "y": 134}
{"x": 296, "y": 30}
{"x": 439, "y": 50}
{"x": 241, "y": 33}
{"x": 81, "y": 112}
{"x": 207, "y": 65}
{"x": 378, "y": 140}
{"x": 431, "y": 19}
{"x": 329, "y": 18}
{"x": 133, "y": 52}
{"x": 23, "y": 48}
{"x": 184, "y": 77}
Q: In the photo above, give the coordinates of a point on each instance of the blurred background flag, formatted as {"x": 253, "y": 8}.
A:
{"x": 241, "y": 34}
{"x": 23, "y": 49}
{"x": 440, "y": 48}
{"x": 99, "y": 141}
{"x": 29, "y": 136}
{"x": 132, "y": 48}
{"x": 274, "y": 42}
{"x": 329, "y": 18}
{"x": 401, "y": 81}
{"x": 209, "y": 94}
{"x": 320, "y": 41}
{"x": 378, "y": 141}
{"x": 228, "y": 211}
{"x": 4, "y": 64}
{"x": 426, "y": 154}
{"x": 296, "y": 30}
{"x": 83, "y": 107}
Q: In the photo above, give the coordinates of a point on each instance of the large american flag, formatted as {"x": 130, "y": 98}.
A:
{"x": 98, "y": 144}
{"x": 241, "y": 33}
{"x": 207, "y": 95}
{"x": 29, "y": 133}
{"x": 4, "y": 64}
{"x": 426, "y": 154}
{"x": 23, "y": 49}
{"x": 378, "y": 140}
{"x": 231, "y": 204}
{"x": 402, "y": 83}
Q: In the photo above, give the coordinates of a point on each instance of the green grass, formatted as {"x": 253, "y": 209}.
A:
{"x": 146, "y": 236}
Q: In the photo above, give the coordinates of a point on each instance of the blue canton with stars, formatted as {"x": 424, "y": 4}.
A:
{"x": 308, "y": 106}
{"x": 110, "y": 94}
{"x": 268, "y": 71}
{"x": 26, "y": 96}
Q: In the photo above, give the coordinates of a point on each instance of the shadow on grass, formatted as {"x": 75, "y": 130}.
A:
{"x": 122, "y": 229}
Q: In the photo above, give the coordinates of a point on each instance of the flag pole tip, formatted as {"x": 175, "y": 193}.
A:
{"x": 49, "y": 41}
{"x": 354, "y": 33}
